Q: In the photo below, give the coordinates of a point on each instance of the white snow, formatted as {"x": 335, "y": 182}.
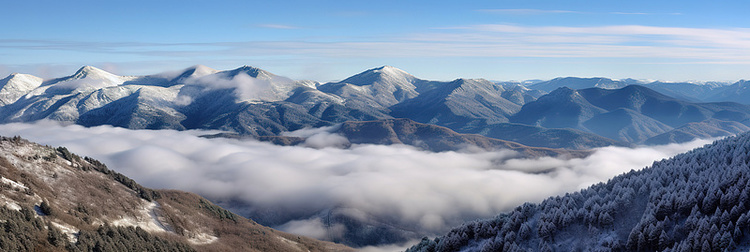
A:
{"x": 12, "y": 183}
{"x": 147, "y": 219}
{"x": 89, "y": 72}
{"x": 16, "y": 86}
{"x": 9, "y": 203}
{"x": 202, "y": 238}
{"x": 290, "y": 242}
{"x": 68, "y": 230}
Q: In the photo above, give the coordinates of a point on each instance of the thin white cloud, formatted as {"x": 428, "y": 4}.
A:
{"x": 643, "y": 13}
{"x": 423, "y": 191}
{"x": 543, "y": 11}
{"x": 526, "y": 11}
{"x": 647, "y": 43}
{"x": 630, "y": 13}
{"x": 278, "y": 26}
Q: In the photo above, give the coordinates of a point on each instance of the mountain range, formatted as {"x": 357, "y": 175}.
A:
{"x": 634, "y": 114}
{"x": 712, "y": 91}
{"x": 253, "y": 102}
{"x": 54, "y": 200}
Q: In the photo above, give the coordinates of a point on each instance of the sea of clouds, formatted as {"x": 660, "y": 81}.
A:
{"x": 428, "y": 192}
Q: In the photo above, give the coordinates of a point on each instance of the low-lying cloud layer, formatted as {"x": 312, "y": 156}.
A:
{"x": 429, "y": 192}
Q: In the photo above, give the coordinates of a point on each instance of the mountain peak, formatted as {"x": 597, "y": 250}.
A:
{"x": 93, "y": 72}
{"x": 390, "y": 70}
{"x": 252, "y": 72}
{"x": 194, "y": 72}
{"x": 23, "y": 77}
{"x": 562, "y": 90}
{"x": 201, "y": 69}
{"x": 380, "y": 74}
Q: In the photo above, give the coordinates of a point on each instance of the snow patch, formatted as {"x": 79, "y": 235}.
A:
{"x": 202, "y": 238}
{"x": 147, "y": 219}
{"x": 9, "y": 203}
{"x": 290, "y": 242}
{"x": 13, "y": 184}
{"x": 70, "y": 231}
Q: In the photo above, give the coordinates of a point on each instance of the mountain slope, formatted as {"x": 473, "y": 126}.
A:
{"x": 76, "y": 203}
{"x": 519, "y": 94}
{"x": 738, "y": 92}
{"x": 633, "y": 113}
{"x": 580, "y": 83}
{"x": 423, "y": 136}
{"x": 695, "y": 201}
{"x": 693, "y": 92}
{"x": 434, "y": 138}
{"x": 704, "y": 129}
{"x": 379, "y": 87}
{"x": 458, "y": 104}
{"x": 625, "y": 125}
{"x": 561, "y": 108}
{"x": 650, "y": 103}
{"x": 16, "y": 85}
{"x": 545, "y": 137}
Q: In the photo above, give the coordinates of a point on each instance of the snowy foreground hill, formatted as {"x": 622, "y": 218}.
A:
{"x": 697, "y": 201}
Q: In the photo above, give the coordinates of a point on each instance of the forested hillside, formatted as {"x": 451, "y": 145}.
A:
{"x": 697, "y": 201}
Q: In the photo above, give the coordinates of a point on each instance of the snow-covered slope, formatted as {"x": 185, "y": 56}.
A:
{"x": 378, "y": 87}
{"x": 16, "y": 86}
{"x": 697, "y": 201}
{"x": 87, "y": 78}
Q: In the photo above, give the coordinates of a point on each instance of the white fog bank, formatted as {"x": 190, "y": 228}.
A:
{"x": 429, "y": 191}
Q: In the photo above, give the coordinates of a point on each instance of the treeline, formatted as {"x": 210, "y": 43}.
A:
{"x": 110, "y": 238}
{"x": 24, "y": 231}
{"x": 93, "y": 164}
{"x": 697, "y": 201}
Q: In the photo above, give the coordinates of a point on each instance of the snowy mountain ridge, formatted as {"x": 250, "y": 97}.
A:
{"x": 251, "y": 101}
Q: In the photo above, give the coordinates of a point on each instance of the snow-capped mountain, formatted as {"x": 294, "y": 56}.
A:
{"x": 246, "y": 100}
{"x": 251, "y": 101}
{"x": 378, "y": 87}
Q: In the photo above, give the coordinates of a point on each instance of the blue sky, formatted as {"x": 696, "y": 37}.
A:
{"x": 329, "y": 40}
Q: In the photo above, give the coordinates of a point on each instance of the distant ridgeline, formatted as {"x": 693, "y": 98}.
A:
{"x": 697, "y": 201}
{"x": 573, "y": 113}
